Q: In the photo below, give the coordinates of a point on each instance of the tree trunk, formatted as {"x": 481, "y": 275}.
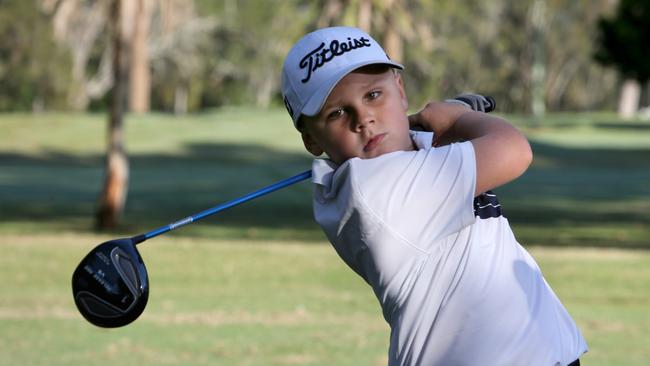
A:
{"x": 538, "y": 64}
{"x": 264, "y": 91}
{"x": 364, "y": 17}
{"x": 113, "y": 195}
{"x": 79, "y": 27}
{"x": 181, "y": 97}
{"x": 628, "y": 104}
{"x": 332, "y": 10}
{"x": 393, "y": 40}
{"x": 140, "y": 75}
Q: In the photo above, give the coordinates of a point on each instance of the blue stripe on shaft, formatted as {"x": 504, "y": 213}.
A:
{"x": 211, "y": 211}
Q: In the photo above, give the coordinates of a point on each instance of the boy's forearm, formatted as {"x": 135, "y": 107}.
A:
{"x": 498, "y": 144}
{"x": 502, "y": 152}
{"x": 472, "y": 125}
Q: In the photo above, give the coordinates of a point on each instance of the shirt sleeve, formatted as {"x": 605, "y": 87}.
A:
{"x": 422, "y": 195}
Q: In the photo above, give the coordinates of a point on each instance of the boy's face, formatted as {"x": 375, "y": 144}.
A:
{"x": 364, "y": 116}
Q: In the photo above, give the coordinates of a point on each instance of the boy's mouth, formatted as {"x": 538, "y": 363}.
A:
{"x": 373, "y": 142}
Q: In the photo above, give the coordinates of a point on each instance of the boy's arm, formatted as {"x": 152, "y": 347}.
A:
{"x": 502, "y": 152}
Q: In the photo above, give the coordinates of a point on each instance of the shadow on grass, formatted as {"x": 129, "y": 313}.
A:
{"x": 59, "y": 190}
{"x": 625, "y": 126}
{"x": 561, "y": 157}
{"x": 571, "y": 190}
{"x": 582, "y": 197}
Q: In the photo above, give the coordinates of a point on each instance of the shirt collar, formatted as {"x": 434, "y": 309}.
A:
{"x": 323, "y": 169}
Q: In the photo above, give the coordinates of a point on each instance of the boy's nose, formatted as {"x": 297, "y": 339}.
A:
{"x": 364, "y": 118}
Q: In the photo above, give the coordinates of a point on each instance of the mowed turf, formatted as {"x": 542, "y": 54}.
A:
{"x": 258, "y": 285}
{"x": 230, "y": 302}
{"x": 211, "y": 303}
{"x": 588, "y": 185}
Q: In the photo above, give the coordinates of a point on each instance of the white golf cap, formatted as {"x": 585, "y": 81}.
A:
{"x": 319, "y": 60}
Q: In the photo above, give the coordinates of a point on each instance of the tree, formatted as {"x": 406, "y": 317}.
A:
{"x": 113, "y": 195}
{"x": 33, "y": 70}
{"x": 393, "y": 21}
{"x": 623, "y": 42}
{"x": 80, "y": 26}
{"x": 538, "y": 59}
{"x": 140, "y": 75}
{"x": 246, "y": 48}
{"x": 574, "y": 80}
{"x": 178, "y": 40}
{"x": 192, "y": 54}
{"x": 155, "y": 29}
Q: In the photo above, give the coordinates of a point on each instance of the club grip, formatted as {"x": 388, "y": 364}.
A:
{"x": 490, "y": 104}
{"x": 476, "y": 102}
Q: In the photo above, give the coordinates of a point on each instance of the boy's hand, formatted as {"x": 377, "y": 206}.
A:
{"x": 437, "y": 117}
{"x": 502, "y": 152}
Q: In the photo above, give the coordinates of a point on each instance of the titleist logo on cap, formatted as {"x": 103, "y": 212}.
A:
{"x": 322, "y": 55}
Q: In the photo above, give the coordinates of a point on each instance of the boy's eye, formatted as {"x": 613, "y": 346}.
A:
{"x": 374, "y": 94}
{"x": 335, "y": 114}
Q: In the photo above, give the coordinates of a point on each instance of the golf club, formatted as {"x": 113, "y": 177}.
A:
{"x": 485, "y": 104}
{"x": 110, "y": 285}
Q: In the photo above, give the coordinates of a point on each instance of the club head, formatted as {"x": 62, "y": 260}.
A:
{"x": 110, "y": 285}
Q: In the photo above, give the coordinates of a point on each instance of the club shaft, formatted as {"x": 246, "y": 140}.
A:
{"x": 213, "y": 210}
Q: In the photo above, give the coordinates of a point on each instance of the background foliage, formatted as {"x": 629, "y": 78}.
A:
{"x": 629, "y": 27}
{"x": 209, "y": 53}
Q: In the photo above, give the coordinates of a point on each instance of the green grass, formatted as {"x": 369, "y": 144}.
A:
{"x": 211, "y": 303}
{"x": 51, "y": 170}
{"x": 258, "y": 284}
{"x": 225, "y": 302}
{"x": 588, "y": 183}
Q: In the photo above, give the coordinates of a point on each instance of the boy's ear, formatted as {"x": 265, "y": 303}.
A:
{"x": 310, "y": 144}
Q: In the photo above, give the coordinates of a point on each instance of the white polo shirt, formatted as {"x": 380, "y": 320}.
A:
{"x": 454, "y": 285}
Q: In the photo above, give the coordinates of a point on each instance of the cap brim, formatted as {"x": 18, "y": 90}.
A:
{"x": 317, "y": 100}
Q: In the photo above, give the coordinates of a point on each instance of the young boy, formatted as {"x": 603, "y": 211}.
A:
{"x": 454, "y": 285}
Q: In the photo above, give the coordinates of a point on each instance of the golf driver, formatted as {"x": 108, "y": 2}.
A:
{"x": 110, "y": 285}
